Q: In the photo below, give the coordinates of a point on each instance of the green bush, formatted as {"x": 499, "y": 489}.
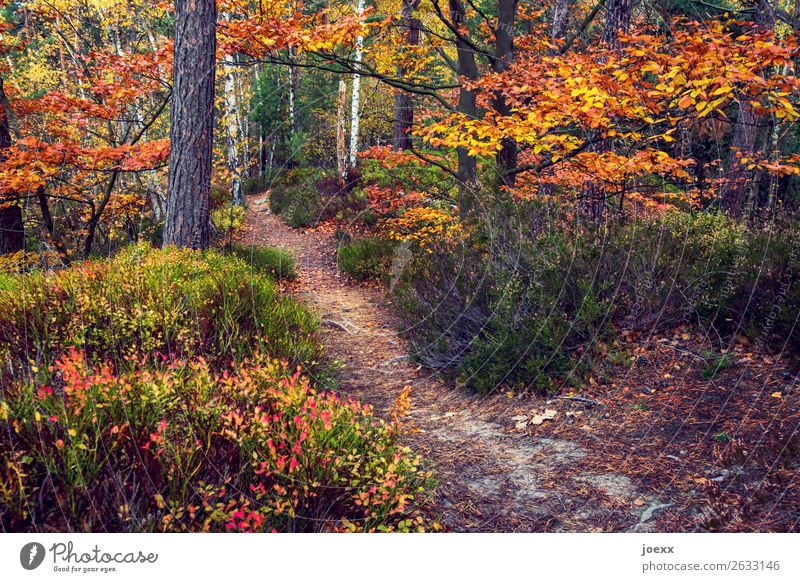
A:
{"x": 228, "y": 220}
{"x": 158, "y": 391}
{"x": 294, "y": 196}
{"x": 366, "y": 258}
{"x": 526, "y": 300}
{"x": 275, "y": 262}
{"x": 144, "y": 302}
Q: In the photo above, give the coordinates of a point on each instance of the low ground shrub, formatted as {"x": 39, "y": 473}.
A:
{"x": 294, "y": 196}
{"x": 366, "y": 258}
{"x": 275, "y": 262}
{"x": 151, "y": 303}
{"x": 186, "y": 449}
{"x": 228, "y": 220}
{"x": 528, "y": 296}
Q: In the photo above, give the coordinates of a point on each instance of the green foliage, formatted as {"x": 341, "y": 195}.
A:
{"x": 275, "y": 262}
{"x": 525, "y": 300}
{"x": 366, "y": 258}
{"x": 294, "y": 196}
{"x": 228, "y": 220}
{"x": 186, "y": 449}
{"x": 151, "y": 303}
{"x": 409, "y": 176}
{"x": 156, "y": 391}
{"x": 716, "y": 363}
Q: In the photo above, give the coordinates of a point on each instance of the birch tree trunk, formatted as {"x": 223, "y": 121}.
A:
{"x": 243, "y": 120}
{"x": 233, "y": 129}
{"x": 355, "y": 98}
{"x": 341, "y": 147}
{"x": 294, "y": 116}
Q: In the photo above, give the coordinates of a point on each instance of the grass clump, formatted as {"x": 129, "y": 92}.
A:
{"x": 366, "y": 258}
{"x": 295, "y": 198}
{"x": 275, "y": 262}
{"x": 529, "y": 298}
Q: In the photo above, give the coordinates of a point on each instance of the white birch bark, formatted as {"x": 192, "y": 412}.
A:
{"x": 341, "y": 148}
{"x": 233, "y": 129}
{"x": 355, "y": 103}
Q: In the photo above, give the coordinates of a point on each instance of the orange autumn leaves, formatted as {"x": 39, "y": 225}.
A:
{"x": 640, "y": 98}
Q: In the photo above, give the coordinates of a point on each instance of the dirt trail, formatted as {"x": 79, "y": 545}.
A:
{"x": 493, "y": 476}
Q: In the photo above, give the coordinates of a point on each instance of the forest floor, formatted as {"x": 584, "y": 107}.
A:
{"x": 654, "y": 443}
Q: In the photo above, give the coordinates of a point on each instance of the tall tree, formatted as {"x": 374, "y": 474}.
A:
{"x": 618, "y": 19}
{"x": 355, "y": 98}
{"x": 467, "y": 68}
{"x": 191, "y": 125}
{"x": 501, "y": 62}
{"x": 560, "y": 19}
{"x": 236, "y": 146}
{"x": 403, "y": 103}
{"x": 12, "y": 233}
{"x": 738, "y": 187}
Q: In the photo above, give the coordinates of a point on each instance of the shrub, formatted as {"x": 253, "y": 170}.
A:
{"x": 184, "y": 449}
{"x": 366, "y": 258}
{"x": 228, "y": 220}
{"x": 526, "y": 299}
{"x": 155, "y": 303}
{"x": 294, "y": 196}
{"x": 500, "y": 314}
{"x": 275, "y": 262}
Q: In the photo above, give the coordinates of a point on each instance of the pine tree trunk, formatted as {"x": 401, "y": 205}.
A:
{"x": 618, "y": 19}
{"x": 192, "y": 124}
{"x": 740, "y": 182}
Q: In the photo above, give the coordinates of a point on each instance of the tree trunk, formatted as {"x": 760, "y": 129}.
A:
{"x": 503, "y": 57}
{"x": 355, "y": 98}
{"x": 341, "y": 146}
{"x": 294, "y": 115}
{"x": 192, "y": 125}
{"x": 560, "y": 19}
{"x": 618, "y": 19}
{"x": 740, "y": 182}
{"x": 12, "y": 229}
{"x": 233, "y": 134}
{"x": 467, "y": 104}
{"x": 403, "y": 104}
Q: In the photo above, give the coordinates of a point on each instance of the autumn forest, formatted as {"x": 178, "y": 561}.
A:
{"x": 399, "y": 266}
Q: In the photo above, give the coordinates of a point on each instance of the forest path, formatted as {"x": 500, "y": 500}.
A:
{"x": 493, "y": 475}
